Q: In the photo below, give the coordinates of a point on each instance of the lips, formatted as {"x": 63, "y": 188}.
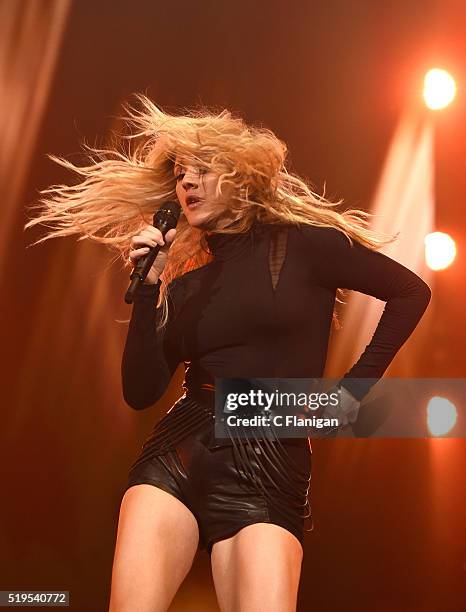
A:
{"x": 192, "y": 201}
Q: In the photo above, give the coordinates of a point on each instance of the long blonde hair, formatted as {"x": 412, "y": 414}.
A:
{"x": 123, "y": 185}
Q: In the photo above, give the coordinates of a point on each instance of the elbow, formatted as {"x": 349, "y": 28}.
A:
{"x": 419, "y": 291}
{"x": 136, "y": 404}
{"x": 141, "y": 386}
{"x": 426, "y": 293}
{"x": 141, "y": 401}
{"x": 422, "y": 296}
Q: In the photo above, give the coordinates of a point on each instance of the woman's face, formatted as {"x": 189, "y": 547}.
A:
{"x": 196, "y": 182}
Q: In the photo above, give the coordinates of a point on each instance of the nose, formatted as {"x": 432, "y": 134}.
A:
{"x": 190, "y": 179}
{"x": 187, "y": 184}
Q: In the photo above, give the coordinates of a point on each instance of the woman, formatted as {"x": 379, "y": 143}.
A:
{"x": 245, "y": 287}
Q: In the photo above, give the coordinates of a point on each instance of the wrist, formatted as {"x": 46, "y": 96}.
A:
{"x": 147, "y": 290}
{"x": 150, "y": 283}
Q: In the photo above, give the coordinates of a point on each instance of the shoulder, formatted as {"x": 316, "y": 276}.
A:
{"x": 302, "y": 230}
{"x": 313, "y": 237}
{"x": 308, "y": 237}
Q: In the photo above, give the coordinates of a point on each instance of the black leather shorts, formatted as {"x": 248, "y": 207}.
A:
{"x": 226, "y": 484}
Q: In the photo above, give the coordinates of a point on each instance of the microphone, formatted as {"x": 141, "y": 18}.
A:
{"x": 165, "y": 219}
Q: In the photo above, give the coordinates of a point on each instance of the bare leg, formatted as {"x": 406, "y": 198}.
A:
{"x": 156, "y": 543}
{"x": 257, "y": 569}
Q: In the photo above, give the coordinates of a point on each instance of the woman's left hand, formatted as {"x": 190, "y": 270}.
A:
{"x": 347, "y": 409}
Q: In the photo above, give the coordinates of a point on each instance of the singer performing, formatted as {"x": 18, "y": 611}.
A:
{"x": 242, "y": 285}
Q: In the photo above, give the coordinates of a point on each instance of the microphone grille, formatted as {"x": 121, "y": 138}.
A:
{"x": 169, "y": 208}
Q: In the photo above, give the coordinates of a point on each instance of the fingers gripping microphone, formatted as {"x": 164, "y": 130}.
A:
{"x": 165, "y": 219}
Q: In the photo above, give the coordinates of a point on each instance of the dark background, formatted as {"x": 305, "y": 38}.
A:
{"x": 331, "y": 79}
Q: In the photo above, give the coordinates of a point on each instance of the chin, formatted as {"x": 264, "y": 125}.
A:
{"x": 201, "y": 218}
{"x": 201, "y": 222}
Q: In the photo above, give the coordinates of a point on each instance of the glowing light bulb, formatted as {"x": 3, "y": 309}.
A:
{"x": 441, "y": 415}
{"x": 440, "y": 250}
{"x": 439, "y": 88}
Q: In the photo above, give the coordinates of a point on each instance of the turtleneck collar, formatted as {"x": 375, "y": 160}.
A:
{"x": 227, "y": 246}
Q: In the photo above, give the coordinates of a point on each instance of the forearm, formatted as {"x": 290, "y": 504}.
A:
{"x": 144, "y": 368}
{"x": 398, "y": 321}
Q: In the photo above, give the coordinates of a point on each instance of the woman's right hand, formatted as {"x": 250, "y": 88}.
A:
{"x": 148, "y": 237}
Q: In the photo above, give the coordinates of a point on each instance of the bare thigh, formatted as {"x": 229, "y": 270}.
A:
{"x": 156, "y": 543}
{"x": 257, "y": 569}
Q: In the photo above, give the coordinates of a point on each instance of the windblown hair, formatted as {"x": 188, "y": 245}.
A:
{"x": 122, "y": 186}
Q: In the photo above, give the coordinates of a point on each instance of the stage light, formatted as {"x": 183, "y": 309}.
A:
{"x": 439, "y": 88}
{"x": 441, "y": 416}
{"x": 440, "y": 250}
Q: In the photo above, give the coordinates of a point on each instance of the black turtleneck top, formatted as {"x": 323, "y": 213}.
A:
{"x": 263, "y": 309}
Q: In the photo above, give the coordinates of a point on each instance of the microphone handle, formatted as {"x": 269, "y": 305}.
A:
{"x": 144, "y": 264}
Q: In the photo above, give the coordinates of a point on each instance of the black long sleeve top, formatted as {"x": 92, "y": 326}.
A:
{"x": 230, "y": 319}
